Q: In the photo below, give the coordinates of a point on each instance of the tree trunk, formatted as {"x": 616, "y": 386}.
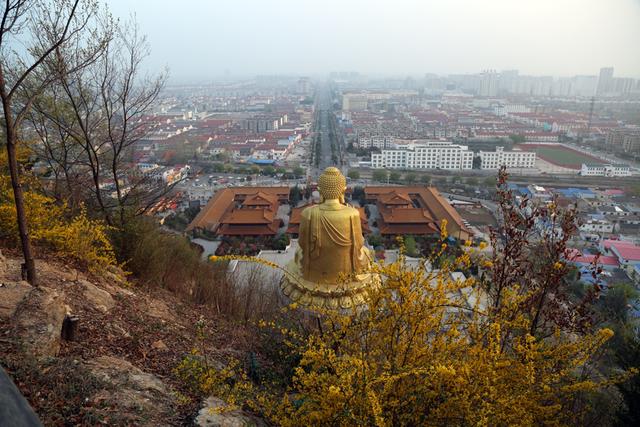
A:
{"x": 29, "y": 263}
{"x": 114, "y": 171}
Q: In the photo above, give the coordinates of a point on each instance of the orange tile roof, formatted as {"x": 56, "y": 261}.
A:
{"x": 221, "y": 208}
{"x": 293, "y": 229}
{"x": 248, "y": 230}
{"x": 396, "y": 198}
{"x": 249, "y": 216}
{"x": 209, "y": 217}
{"x": 441, "y": 209}
{"x": 296, "y": 213}
{"x": 431, "y": 203}
{"x": 416, "y": 229}
{"x": 261, "y": 199}
{"x": 405, "y": 215}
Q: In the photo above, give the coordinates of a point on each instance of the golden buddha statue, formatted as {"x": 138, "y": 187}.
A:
{"x": 331, "y": 265}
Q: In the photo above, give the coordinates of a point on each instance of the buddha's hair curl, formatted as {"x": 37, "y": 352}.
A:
{"x": 332, "y": 184}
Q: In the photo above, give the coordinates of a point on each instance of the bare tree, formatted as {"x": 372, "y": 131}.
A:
{"x": 30, "y": 32}
{"x": 63, "y": 156}
{"x": 125, "y": 99}
{"x": 102, "y": 110}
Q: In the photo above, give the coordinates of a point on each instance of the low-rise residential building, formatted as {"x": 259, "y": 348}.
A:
{"x": 627, "y": 253}
{"x": 597, "y": 226}
{"x": 606, "y": 262}
{"x": 627, "y": 138}
{"x": 510, "y": 159}
{"x": 175, "y": 174}
{"x": 425, "y": 155}
{"x": 601, "y": 169}
{"x": 375, "y": 141}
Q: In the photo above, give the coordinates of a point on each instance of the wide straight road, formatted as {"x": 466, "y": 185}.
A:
{"x": 322, "y": 128}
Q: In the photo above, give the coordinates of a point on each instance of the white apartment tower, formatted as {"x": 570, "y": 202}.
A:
{"x": 605, "y": 81}
{"x": 488, "y": 83}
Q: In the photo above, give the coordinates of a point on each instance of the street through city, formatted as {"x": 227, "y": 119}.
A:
{"x": 322, "y": 128}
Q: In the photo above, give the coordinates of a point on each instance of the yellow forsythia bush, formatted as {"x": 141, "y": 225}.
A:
{"x": 429, "y": 349}
{"x": 80, "y": 238}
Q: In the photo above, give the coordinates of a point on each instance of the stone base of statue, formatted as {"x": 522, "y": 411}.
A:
{"x": 334, "y": 296}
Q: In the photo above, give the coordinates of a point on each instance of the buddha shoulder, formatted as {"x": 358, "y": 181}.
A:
{"x": 306, "y": 213}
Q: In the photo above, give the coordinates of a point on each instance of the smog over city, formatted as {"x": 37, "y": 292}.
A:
{"x": 201, "y": 40}
{"x": 320, "y": 212}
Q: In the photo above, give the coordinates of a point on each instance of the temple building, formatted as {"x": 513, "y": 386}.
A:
{"x": 242, "y": 211}
{"x": 294, "y": 220}
{"x": 414, "y": 210}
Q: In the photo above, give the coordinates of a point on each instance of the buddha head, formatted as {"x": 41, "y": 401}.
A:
{"x": 332, "y": 185}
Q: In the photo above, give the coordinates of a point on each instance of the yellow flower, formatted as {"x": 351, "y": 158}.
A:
{"x": 334, "y": 390}
{"x": 482, "y": 245}
{"x": 488, "y": 264}
{"x": 467, "y": 243}
{"x": 213, "y": 258}
{"x": 558, "y": 265}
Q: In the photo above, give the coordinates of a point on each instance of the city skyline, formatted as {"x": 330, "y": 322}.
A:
{"x": 200, "y": 41}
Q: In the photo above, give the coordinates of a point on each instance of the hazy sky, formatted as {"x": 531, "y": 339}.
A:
{"x": 202, "y": 39}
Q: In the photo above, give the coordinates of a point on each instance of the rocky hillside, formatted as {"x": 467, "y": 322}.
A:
{"x": 115, "y": 364}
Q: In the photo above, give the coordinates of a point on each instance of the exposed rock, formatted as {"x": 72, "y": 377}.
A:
{"x": 160, "y": 310}
{"x": 120, "y": 372}
{"x": 11, "y": 295}
{"x": 99, "y": 298}
{"x": 120, "y": 330}
{"x": 40, "y": 321}
{"x": 214, "y": 414}
{"x": 159, "y": 345}
{"x": 140, "y": 397}
{"x": 118, "y": 290}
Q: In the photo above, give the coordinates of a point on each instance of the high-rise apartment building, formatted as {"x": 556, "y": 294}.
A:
{"x": 488, "y": 83}
{"x": 508, "y": 81}
{"x": 304, "y": 86}
{"x": 605, "y": 81}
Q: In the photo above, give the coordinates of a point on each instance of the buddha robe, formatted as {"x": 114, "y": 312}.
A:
{"x": 331, "y": 243}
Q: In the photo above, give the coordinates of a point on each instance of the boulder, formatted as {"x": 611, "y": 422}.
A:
{"x": 118, "y": 371}
{"x": 215, "y": 414}
{"x": 39, "y": 321}
{"x": 98, "y": 298}
{"x": 160, "y": 310}
{"x": 11, "y": 295}
{"x": 140, "y": 398}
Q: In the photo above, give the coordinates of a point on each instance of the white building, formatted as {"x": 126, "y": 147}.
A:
{"x": 354, "y": 101}
{"x": 425, "y": 155}
{"x": 598, "y": 169}
{"x": 597, "y": 226}
{"x": 149, "y": 170}
{"x": 503, "y": 110}
{"x": 510, "y": 159}
{"x": 377, "y": 141}
{"x": 176, "y": 173}
{"x": 488, "y": 83}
